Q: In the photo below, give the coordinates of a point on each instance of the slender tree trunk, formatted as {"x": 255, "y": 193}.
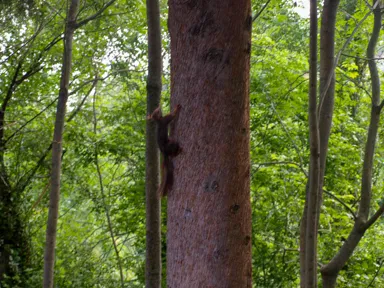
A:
{"x": 303, "y": 232}
{"x": 327, "y": 84}
{"x": 49, "y": 255}
{"x": 153, "y": 207}
{"x": 319, "y": 136}
{"x": 14, "y": 240}
{"x": 209, "y": 213}
{"x": 308, "y": 237}
{"x": 327, "y": 92}
{"x": 331, "y": 270}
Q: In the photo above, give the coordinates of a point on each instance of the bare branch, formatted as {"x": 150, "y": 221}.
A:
{"x": 41, "y": 196}
{"x": 284, "y": 163}
{"x": 375, "y": 216}
{"x": 53, "y": 42}
{"x": 341, "y": 202}
{"x": 11, "y": 87}
{"x": 34, "y": 69}
{"x": 94, "y": 16}
{"x": 29, "y": 121}
{"x": 83, "y": 101}
{"x": 381, "y": 105}
{"x": 357, "y": 84}
{"x": 21, "y": 185}
{"x": 376, "y": 274}
{"x": 4, "y": 107}
{"x": 362, "y": 58}
{"x": 86, "y": 83}
{"x": 261, "y": 11}
{"x": 30, "y": 39}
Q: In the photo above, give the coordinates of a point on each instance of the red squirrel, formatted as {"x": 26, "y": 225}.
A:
{"x": 168, "y": 147}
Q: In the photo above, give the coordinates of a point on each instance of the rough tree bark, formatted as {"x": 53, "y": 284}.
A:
{"x": 331, "y": 270}
{"x": 209, "y": 214}
{"x": 53, "y": 214}
{"x": 153, "y": 207}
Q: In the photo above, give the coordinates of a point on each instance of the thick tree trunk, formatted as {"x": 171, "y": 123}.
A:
{"x": 153, "y": 208}
{"x": 49, "y": 254}
{"x": 209, "y": 213}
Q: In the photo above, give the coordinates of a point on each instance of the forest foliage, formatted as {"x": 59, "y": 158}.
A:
{"x": 105, "y": 128}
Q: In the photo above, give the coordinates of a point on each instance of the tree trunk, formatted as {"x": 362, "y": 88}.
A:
{"x": 331, "y": 270}
{"x": 308, "y": 233}
{"x": 319, "y": 135}
{"x": 153, "y": 208}
{"x": 327, "y": 84}
{"x": 49, "y": 254}
{"x": 209, "y": 213}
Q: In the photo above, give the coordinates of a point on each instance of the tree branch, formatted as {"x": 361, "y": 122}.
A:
{"x": 375, "y": 216}
{"x": 357, "y": 85}
{"x": 29, "y": 121}
{"x": 34, "y": 69}
{"x": 82, "y": 101}
{"x": 376, "y": 274}
{"x": 87, "y": 82}
{"x": 98, "y": 13}
{"x": 261, "y": 11}
{"x": 11, "y": 88}
{"x": 341, "y": 202}
{"x": 366, "y": 179}
{"x": 331, "y": 270}
{"x": 22, "y": 185}
{"x": 284, "y": 163}
{"x": 40, "y": 196}
{"x": 4, "y": 107}
{"x": 346, "y": 43}
{"x": 362, "y": 58}
{"x": 381, "y": 105}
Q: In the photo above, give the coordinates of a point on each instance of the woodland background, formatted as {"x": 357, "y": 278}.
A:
{"x": 103, "y": 168}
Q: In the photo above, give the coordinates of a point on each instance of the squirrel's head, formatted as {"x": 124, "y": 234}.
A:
{"x": 156, "y": 114}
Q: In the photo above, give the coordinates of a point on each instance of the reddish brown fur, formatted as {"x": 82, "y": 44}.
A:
{"x": 168, "y": 147}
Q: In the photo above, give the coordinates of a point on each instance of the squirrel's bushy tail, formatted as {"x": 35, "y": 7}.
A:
{"x": 166, "y": 177}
